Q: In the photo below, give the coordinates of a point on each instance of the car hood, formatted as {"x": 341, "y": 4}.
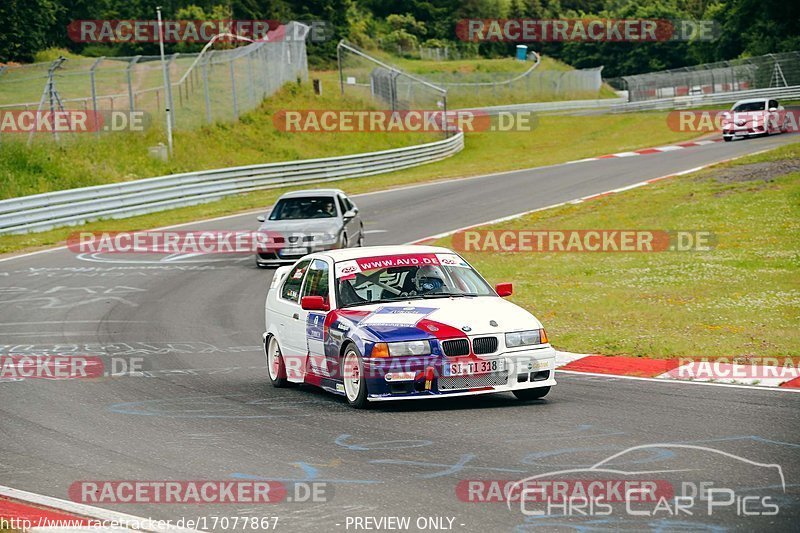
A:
{"x": 441, "y": 318}
{"x": 313, "y": 225}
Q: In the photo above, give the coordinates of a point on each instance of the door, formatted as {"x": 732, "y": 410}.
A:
{"x": 317, "y": 283}
{"x": 349, "y": 223}
{"x": 291, "y": 328}
{"x": 356, "y": 225}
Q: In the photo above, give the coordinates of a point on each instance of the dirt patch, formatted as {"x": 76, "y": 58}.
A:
{"x": 766, "y": 171}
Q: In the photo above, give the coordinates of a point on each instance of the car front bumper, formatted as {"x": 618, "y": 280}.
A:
{"x": 743, "y": 132}
{"x": 277, "y": 258}
{"x": 418, "y": 378}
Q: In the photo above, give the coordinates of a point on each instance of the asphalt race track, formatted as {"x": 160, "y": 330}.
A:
{"x": 204, "y": 408}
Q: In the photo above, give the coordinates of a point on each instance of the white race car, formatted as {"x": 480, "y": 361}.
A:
{"x": 754, "y": 118}
{"x": 401, "y": 322}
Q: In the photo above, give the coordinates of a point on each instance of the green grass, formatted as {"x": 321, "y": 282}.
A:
{"x": 740, "y": 299}
{"x": 535, "y": 88}
{"x": 86, "y": 160}
{"x": 557, "y": 139}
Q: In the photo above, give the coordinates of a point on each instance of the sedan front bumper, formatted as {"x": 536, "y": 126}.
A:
{"x": 416, "y": 378}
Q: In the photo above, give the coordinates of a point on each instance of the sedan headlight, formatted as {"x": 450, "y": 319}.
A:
{"x": 327, "y": 237}
{"x": 526, "y": 338}
{"x": 401, "y": 349}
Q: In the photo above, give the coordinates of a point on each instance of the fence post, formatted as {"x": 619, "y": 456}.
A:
{"x": 168, "y": 88}
{"x": 94, "y": 94}
{"x": 205, "y": 86}
{"x": 339, "y": 62}
{"x": 131, "y": 101}
{"x": 251, "y": 87}
{"x": 233, "y": 89}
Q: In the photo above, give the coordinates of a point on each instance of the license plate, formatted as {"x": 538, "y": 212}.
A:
{"x": 292, "y": 252}
{"x": 540, "y": 365}
{"x": 468, "y": 368}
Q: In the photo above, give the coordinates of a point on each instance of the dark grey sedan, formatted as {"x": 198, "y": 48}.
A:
{"x": 304, "y": 222}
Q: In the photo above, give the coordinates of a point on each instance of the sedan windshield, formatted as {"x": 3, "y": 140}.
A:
{"x": 362, "y": 282}
{"x": 749, "y": 106}
{"x": 303, "y": 208}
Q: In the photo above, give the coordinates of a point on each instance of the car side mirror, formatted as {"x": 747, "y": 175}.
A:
{"x": 504, "y": 289}
{"x": 350, "y": 214}
{"x": 261, "y": 218}
{"x": 773, "y": 109}
{"x": 314, "y": 303}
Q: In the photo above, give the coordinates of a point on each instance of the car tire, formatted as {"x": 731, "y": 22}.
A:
{"x": 355, "y": 386}
{"x": 276, "y": 368}
{"x": 344, "y": 240}
{"x": 361, "y": 237}
{"x": 531, "y": 394}
{"x": 727, "y": 139}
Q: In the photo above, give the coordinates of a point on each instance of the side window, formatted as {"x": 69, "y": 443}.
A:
{"x": 317, "y": 280}
{"x": 291, "y": 287}
{"x": 773, "y": 103}
{"x": 341, "y": 204}
{"x": 348, "y": 203}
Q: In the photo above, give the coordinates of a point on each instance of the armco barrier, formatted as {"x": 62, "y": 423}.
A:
{"x": 685, "y": 102}
{"x": 41, "y": 212}
{"x": 619, "y": 105}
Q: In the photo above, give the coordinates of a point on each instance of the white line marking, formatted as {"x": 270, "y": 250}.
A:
{"x": 667, "y": 148}
{"x": 675, "y": 381}
{"x": 86, "y": 510}
{"x": 579, "y": 200}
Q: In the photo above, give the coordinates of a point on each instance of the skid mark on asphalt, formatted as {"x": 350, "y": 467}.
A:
{"x": 124, "y": 349}
{"x": 311, "y": 473}
{"x": 214, "y": 407}
{"x": 111, "y": 272}
{"x": 341, "y": 440}
{"x": 169, "y": 259}
{"x": 62, "y": 297}
{"x": 446, "y": 469}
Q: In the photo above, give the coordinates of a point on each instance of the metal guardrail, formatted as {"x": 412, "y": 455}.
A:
{"x": 564, "y": 105}
{"x": 45, "y": 211}
{"x": 619, "y": 105}
{"x": 679, "y": 102}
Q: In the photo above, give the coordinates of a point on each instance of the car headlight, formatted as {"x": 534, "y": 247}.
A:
{"x": 526, "y": 338}
{"x": 401, "y": 349}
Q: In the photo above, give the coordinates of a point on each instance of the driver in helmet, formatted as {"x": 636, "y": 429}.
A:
{"x": 429, "y": 279}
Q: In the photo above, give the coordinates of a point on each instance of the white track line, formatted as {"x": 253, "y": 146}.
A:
{"x": 583, "y": 198}
{"x": 82, "y": 510}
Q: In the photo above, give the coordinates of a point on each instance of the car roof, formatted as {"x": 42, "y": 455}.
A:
{"x": 752, "y": 101}
{"x": 312, "y": 192}
{"x": 346, "y": 254}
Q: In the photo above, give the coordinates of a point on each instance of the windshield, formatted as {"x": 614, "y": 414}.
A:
{"x": 406, "y": 277}
{"x": 749, "y": 106}
{"x": 302, "y": 208}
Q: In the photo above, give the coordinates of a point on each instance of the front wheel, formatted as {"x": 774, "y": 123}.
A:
{"x": 531, "y": 394}
{"x": 727, "y": 139}
{"x": 275, "y": 365}
{"x": 355, "y": 386}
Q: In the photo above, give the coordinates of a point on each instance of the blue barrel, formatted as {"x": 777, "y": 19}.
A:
{"x": 522, "y": 52}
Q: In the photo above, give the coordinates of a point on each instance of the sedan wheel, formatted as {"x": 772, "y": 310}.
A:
{"x": 275, "y": 364}
{"x": 355, "y": 386}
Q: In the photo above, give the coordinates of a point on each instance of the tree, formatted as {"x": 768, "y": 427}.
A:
{"x": 26, "y": 28}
